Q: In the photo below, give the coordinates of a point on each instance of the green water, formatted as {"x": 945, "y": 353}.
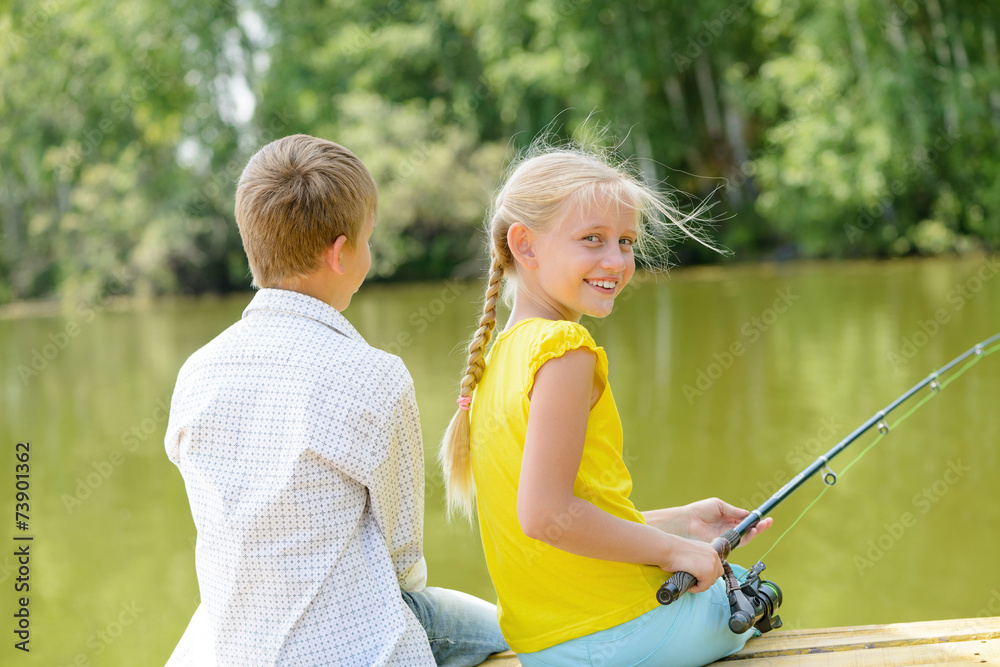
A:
{"x": 909, "y": 533}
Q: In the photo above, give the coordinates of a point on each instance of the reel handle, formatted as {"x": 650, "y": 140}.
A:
{"x": 740, "y": 622}
{"x": 679, "y": 582}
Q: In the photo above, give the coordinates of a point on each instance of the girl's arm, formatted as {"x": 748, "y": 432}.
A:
{"x": 547, "y": 508}
{"x": 673, "y": 520}
{"x": 703, "y": 520}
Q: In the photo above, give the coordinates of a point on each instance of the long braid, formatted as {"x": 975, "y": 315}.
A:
{"x": 477, "y": 348}
{"x": 456, "y": 448}
{"x": 537, "y": 190}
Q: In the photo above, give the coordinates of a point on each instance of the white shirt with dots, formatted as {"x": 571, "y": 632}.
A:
{"x": 300, "y": 448}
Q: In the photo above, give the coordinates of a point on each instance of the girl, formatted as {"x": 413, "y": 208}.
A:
{"x": 537, "y": 436}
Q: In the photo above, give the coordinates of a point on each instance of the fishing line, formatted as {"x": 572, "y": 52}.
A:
{"x": 754, "y": 601}
{"x": 882, "y": 433}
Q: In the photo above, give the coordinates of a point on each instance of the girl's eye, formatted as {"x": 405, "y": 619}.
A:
{"x": 627, "y": 241}
{"x": 592, "y": 237}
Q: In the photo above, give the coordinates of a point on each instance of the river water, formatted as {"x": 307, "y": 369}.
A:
{"x": 729, "y": 381}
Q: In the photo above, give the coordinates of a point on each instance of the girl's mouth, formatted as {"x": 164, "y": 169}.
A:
{"x": 605, "y": 286}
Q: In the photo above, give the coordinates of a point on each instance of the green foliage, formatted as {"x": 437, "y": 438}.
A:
{"x": 878, "y": 115}
{"x": 834, "y": 129}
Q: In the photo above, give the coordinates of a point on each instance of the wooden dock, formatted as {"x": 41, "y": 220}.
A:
{"x": 972, "y": 640}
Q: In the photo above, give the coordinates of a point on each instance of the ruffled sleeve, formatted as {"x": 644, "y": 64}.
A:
{"x": 556, "y": 338}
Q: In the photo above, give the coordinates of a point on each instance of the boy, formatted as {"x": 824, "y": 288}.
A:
{"x": 300, "y": 448}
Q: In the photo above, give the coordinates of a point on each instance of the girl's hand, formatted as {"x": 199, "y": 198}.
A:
{"x": 709, "y": 518}
{"x": 549, "y": 511}
{"x": 696, "y": 558}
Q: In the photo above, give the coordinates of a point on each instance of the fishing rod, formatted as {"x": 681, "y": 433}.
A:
{"x": 753, "y": 602}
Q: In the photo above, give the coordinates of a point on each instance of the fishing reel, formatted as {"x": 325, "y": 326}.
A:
{"x": 752, "y": 603}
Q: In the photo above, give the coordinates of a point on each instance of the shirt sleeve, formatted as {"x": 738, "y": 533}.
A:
{"x": 558, "y": 338}
{"x": 396, "y": 489}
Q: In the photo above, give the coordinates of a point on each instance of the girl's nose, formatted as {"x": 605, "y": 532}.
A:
{"x": 614, "y": 259}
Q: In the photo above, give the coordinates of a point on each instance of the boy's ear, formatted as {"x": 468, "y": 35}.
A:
{"x": 332, "y": 256}
{"x": 521, "y": 240}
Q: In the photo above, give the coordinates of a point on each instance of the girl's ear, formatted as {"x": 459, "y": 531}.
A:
{"x": 521, "y": 241}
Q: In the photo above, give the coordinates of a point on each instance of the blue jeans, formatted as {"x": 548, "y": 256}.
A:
{"x": 462, "y": 629}
{"x": 692, "y": 631}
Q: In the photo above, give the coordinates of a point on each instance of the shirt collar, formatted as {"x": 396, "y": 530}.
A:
{"x": 297, "y": 304}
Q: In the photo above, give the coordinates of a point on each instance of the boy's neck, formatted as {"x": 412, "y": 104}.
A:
{"x": 314, "y": 285}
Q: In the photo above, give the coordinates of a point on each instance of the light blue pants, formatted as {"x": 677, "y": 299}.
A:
{"x": 463, "y": 629}
{"x": 692, "y": 631}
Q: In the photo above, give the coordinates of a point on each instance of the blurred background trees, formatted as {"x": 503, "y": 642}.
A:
{"x": 847, "y": 129}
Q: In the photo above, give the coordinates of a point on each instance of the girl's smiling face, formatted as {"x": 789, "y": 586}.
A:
{"x": 581, "y": 263}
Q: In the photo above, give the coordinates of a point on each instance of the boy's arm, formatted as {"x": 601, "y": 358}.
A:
{"x": 396, "y": 490}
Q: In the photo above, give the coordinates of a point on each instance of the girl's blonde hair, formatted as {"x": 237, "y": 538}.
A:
{"x": 539, "y": 187}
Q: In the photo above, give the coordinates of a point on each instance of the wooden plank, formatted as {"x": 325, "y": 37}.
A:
{"x": 947, "y": 642}
{"x": 867, "y": 636}
{"x": 984, "y": 651}
{"x": 920, "y": 628}
{"x": 953, "y": 653}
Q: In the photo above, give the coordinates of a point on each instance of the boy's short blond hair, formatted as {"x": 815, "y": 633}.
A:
{"x": 296, "y": 196}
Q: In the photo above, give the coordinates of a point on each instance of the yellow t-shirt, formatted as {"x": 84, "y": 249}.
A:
{"x": 546, "y": 595}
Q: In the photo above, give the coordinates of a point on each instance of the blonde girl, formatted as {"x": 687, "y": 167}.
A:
{"x": 538, "y": 441}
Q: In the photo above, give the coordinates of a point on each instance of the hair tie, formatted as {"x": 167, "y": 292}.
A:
{"x": 464, "y": 402}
